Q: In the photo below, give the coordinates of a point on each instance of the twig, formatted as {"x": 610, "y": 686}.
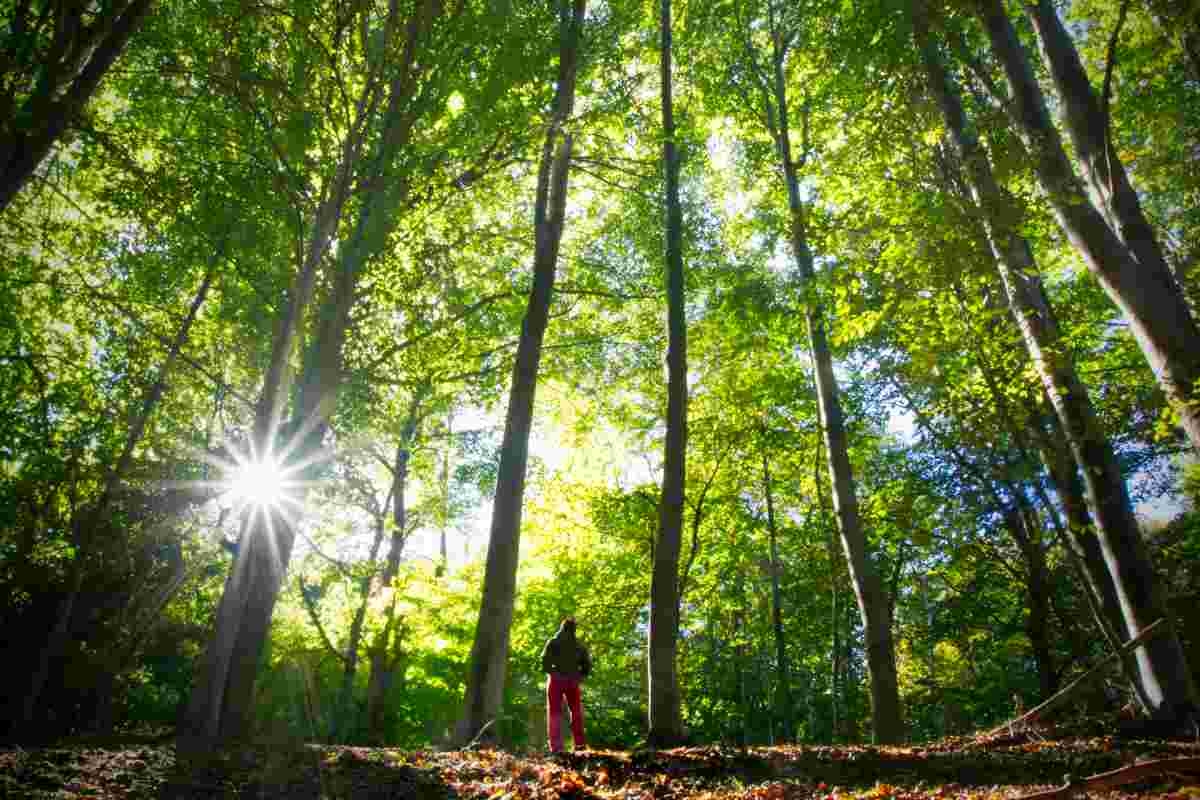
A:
{"x": 1118, "y": 777}
{"x": 469, "y": 745}
{"x": 1038, "y": 710}
{"x": 1106, "y": 94}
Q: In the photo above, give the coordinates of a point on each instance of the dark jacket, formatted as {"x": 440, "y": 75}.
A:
{"x": 564, "y": 654}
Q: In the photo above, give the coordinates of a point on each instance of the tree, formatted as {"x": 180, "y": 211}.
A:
{"x": 364, "y": 169}
{"x": 783, "y": 691}
{"x": 489, "y": 654}
{"x": 873, "y": 607}
{"x": 666, "y": 723}
{"x": 1165, "y": 675}
{"x": 386, "y": 647}
{"x": 53, "y": 62}
{"x": 1125, "y": 259}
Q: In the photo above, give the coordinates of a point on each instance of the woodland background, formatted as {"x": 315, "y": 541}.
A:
{"x": 307, "y": 227}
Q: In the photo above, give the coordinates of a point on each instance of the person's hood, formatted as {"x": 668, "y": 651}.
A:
{"x": 566, "y": 631}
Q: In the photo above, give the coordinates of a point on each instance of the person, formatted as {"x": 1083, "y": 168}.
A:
{"x": 567, "y": 662}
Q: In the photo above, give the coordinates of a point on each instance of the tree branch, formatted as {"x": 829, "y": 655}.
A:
{"x": 311, "y": 607}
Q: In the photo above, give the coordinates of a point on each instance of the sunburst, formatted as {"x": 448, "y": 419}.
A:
{"x": 261, "y": 483}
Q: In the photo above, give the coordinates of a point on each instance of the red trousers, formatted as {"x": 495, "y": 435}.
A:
{"x": 557, "y": 687}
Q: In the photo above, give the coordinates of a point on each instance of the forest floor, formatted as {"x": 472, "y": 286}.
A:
{"x": 1007, "y": 767}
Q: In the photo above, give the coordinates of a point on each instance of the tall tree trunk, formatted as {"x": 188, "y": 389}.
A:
{"x": 1059, "y": 461}
{"x": 219, "y": 708}
{"x": 783, "y": 691}
{"x": 1083, "y": 547}
{"x": 1165, "y": 676}
{"x": 1124, "y": 263}
{"x": 489, "y": 653}
{"x": 382, "y": 662}
{"x": 666, "y": 720}
{"x": 835, "y": 649}
{"x": 1037, "y": 589}
{"x": 887, "y": 722}
{"x": 64, "y": 86}
{"x": 219, "y": 705}
{"x": 340, "y": 723}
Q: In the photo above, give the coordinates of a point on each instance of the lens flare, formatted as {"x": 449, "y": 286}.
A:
{"x": 262, "y": 483}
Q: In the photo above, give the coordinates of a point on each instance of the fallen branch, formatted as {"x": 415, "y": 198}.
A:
{"x": 1118, "y": 777}
{"x": 1065, "y": 693}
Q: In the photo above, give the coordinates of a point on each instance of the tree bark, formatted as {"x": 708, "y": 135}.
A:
{"x": 1037, "y": 589}
{"x": 666, "y": 720}
{"x": 1124, "y": 263}
{"x": 382, "y": 662}
{"x": 63, "y": 88}
{"x": 340, "y": 724}
{"x": 783, "y": 692}
{"x": 887, "y": 722}
{"x": 1165, "y": 676}
{"x": 489, "y": 653}
{"x": 220, "y": 704}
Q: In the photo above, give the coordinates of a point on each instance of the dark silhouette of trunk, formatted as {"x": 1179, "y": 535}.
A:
{"x": 1126, "y": 261}
{"x": 666, "y": 720}
{"x": 1037, "y": 589}
{"x": 873, "y": 605}
{"x": 388, "y": 641}
{"x": 489, "y": 653}
{"x": 60, "y": 78}
{"x": 82, "y": 537}
{"x": 142, "y": 618}
{"x": 783, "y": 691}
{"x": 1165, "y": 677}
{"x": 219, "y": 705}
{"x": 1082, "y": 545}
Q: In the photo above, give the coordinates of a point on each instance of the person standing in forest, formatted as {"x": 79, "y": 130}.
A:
{"x": 567, "y": 663}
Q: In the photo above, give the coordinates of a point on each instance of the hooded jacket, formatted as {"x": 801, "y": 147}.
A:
{"x": 564, "y": 654}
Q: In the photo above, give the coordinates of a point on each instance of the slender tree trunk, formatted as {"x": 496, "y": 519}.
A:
{"x": 666, "y": 721}
{"x": 1037, "y": 591}
{"x": 219, "y": 708}
{"x": 382, "y": 663}
{"x": 489, "y": 653}
{"x": 443, "y": 550}
{"x": 1082, "y": 546}
{"x": 835, "y": 651}
{"x": 1165, "y": 676}
{"x": 1081, "y": 537}
{"x": 81, "y": 535}
{"x": 783, "y": 691}
{"x": 142, "y": 619}
{"x": 1124, "y": 263}
{"x": 887, "y": 722}
{"x": 62, "y": 92}
{"x": 340, "y": 724}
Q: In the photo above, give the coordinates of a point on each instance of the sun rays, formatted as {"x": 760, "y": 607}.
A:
{"x": 261, "y": 483}
{"x": 248, "y": 485}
